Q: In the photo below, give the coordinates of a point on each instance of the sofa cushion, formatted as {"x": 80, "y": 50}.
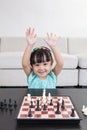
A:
{"x": 77, "y": 45}
{"x": 68, "y": 77}
{"x": 11, "y": 44}
{"x": 70, "y": 61}
{"x": 83, "y": 77}
{"x": 82, "y": 60}
{"x": 19, "y": 44}
{"x": 13, "y": 77}
{"x": 11, "y": 60}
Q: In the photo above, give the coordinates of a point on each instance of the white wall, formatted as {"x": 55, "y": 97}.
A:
{"x": 63, "y": 17}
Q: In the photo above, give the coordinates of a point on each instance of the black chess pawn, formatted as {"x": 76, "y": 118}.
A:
{"x": 10, "y": 105}
{"x": 72, "y": 113}
{"x": 38, "y": 105}
{"x": 1, "y": 105}
{"x": 15, "y": 104}
{"x": 32, "y": 105}
{"x": 5, "y": 105}
{"x": 58, "y": 111}
{"x": 10, "y": 108}
{"x": 63, "y": 105}
{"x": 30, "y": 113}
{"x": 51, "y": 102}
{"x": 44, "y": 107}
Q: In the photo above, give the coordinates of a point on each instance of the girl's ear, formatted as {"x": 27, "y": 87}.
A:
{"x": 52, "y": 62}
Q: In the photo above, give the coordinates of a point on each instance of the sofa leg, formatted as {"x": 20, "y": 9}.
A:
{"x": 78, "y": 86}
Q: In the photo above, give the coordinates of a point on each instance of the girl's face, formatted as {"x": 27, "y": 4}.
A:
{"x": 42, "y": 69}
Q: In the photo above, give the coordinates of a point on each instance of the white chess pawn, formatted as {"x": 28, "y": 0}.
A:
{"x": 85, "y": 111}
{"x": 29, "y": 97}
{"x": 49, "y": 97}
{"x": 83, "y": 108}
{"x": 44, "y": 99}
{"x": 44, "y": 96}
{"x": 44, "y": 92}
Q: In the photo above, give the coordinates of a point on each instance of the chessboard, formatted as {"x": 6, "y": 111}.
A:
{"x": 47, "y": 109}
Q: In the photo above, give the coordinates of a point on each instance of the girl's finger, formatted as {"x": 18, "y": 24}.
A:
{"x": 32, "y": 31}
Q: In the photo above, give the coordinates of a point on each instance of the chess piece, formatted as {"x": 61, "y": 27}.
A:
{"x": 32, "y": 105}
{"x": 51, "y": 102}
{"x": 63, "y": 105}
{"x": 29, "y": 97}
{"x": 15, "y": 104}
{"x": 10, "y": 105}
{"x": 49, "y": 97}
{"x": 30, "y": 113}
{"x": 44, "y": 95}
{"x": 5, "y": 105}
{"x": 38, "y": 106}
{"x": 44, "y": 92}
{"x": 72, "y": 113}
{"x": 1, "y": 105}
{"x": 44, "y": 107}
{"x": 58, "y": 111}
{"x": 84, "y": 110}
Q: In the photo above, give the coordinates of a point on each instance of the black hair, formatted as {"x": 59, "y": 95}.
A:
{"x": 39, "y": 55}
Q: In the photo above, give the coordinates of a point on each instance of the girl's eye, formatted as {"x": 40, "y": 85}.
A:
{"x": 37, "y": 64}
{"x": 45, "y": 63}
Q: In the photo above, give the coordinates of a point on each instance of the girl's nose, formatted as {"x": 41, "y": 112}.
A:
{"x": 41, "y": 67}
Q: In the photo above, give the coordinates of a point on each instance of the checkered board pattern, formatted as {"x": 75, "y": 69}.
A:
{"x": 49, "y": 113}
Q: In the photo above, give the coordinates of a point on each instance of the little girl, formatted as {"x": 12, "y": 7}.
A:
{"x": 37, "y": 63}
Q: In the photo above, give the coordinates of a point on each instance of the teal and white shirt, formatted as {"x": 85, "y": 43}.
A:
{"x": 34, "y": 82}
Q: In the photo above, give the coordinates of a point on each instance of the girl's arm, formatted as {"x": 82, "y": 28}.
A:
{"x": 52, "y": 42}
{"x": 31, "y": 38}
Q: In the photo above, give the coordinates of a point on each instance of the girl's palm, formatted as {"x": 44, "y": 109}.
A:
{"x": 31, "y": 36}
{"x": 51, "y": 39}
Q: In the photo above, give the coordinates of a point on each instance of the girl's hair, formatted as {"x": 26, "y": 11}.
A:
{"x": 42, "y": 54}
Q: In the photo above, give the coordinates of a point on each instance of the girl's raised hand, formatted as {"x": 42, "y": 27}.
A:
{"x": 31, "y": 36}
{"x": 51, "y": 39}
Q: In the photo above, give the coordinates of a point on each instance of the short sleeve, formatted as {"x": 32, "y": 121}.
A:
{"x": 30, "y": 78}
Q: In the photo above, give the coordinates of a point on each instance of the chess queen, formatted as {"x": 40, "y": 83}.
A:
{"x": 37, "y": 63}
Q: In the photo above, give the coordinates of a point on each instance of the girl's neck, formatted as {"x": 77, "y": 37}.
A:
{"x": 43, "y": 78}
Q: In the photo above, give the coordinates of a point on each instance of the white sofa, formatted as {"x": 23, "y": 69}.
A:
{"x": 78, "y": 47}
{"x": 74, "y": 54}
